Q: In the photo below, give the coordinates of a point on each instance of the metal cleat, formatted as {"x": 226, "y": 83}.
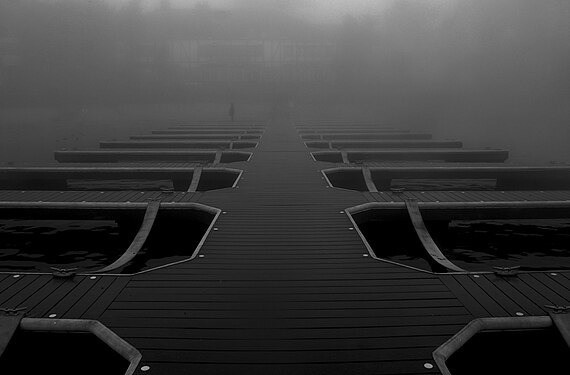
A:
{"x": 399, "y": 190}
{"x": 6, "y": 311}
{"x": 506, "y": 271}
{"x": 557, "y": 309}
{"x": 63, "y": 273}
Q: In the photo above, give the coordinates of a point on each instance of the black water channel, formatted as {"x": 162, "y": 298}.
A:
{"x": 521, "y": 352}
{"x": 475, "y": 245}
{"x": 61, "y": 353}
{"x": 89, "y": 245}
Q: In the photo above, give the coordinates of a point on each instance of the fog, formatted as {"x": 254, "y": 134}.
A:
{"x": 495, "y": 73}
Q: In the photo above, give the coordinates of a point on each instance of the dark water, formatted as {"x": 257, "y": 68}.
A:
{"x": 169, "y": 241}
{"x": 60, "y": 353}
{"x": 114, "y": 185}
{"x": 476, "y": 245}
{"x": 89, "y": 245}
{"x": 354, "y": 180}
{"x": 531, "y": 244}
{"x": 37, "y": 245}
{"x": 524, "y": 352}
{"x": 397, "y": 241}
{"x": 444, "y": 184}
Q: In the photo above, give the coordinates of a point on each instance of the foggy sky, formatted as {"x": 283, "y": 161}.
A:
{"x": 478, "y": 69}
{"x": 319, "y": 10}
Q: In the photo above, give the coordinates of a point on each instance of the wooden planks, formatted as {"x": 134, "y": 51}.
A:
{"x": 526, "y": 294}
{"x": 396, "y": 142}
{"x": 119, "y": 155}
{"x": 284, "y": 265}
{"x": 283, "y": 285}
{"x": 415, "y": 154}
{"x": 506, "y": 177}
{"x": 44, "y": 295}
{"x": 176, "y": 144}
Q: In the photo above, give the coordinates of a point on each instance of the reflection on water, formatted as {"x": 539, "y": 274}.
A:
{"x": 521, "y": 352}
{"x": 62, "y": 353}
{"x": 397, "y": 241}
{"x": 37, "y": 245}
{"x": 169, "y": 241}
{"x": 115, "y": 185}
{"x": 444, "y": 184}
{"x": 89, "y": 245}
{"x": 475, "y": 245}
{"x": 531, "y": 244}
{"x": 355, "y": 181}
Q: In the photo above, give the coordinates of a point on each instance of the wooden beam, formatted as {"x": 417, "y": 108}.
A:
{"x": 446, "y": 154}
{"x": 150, "y": 144}
{"x": 427, "y": 241}
{"x": 195, "y": 179}
{"x": 139, "y": 240}
{"x": 368, "y": 179}
{"x": 218, "y": 157}
{"x": 385, "y": 144}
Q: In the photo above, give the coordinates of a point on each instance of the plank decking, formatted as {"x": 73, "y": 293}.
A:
{"x": 285, "y": 284}
{"x": 506, "y": 177}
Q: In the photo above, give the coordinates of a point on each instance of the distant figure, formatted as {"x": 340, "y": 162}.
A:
{"x": 232, "y": 111}
{"x": 290, "y": 108}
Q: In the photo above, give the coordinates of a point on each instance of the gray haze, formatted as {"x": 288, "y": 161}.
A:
{"x": 493, "y": 72}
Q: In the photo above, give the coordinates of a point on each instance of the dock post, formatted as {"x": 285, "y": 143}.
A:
{"x": 368, "y": 179}
{"x": 195, "y": 180}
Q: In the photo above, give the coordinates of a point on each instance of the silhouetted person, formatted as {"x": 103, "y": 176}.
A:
{"x": 232, "y": 111}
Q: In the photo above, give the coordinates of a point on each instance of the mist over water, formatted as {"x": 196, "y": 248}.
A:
{"x": 493, "y": 73}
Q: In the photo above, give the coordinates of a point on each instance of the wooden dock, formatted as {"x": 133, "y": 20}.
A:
{"x": 196, "y": 145}
{"x": 198, "y": 137}
{"x": 381, "y": 135}
{"x": 383, "y": 144}
{"x": 507, "y": 177}
{"x": 129, "y": 155}
{"x": 285, "y": 285}
{"x": 416, "y": 154}
{"x": 59, "y": 177}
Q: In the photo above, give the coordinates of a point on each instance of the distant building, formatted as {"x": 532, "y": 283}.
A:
{"x": 208, "y": 45}
{"x": 253, "y": 60}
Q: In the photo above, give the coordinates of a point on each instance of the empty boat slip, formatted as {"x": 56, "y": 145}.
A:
{"x": 117, "y": 178}
{"x": 343, "y": 127}
{"x": 489, "y": 177}
{"x": 206, "y": 131}
{"x": 200, "y": 137}
{"x": 290, "y": 275}
{"x": 117, "y": 237}
{"x": 355, "y": 131}
{"x": 412, "y": 154}
{"x": 376, "y": 136}
{"x": 384, "y": 144}
{"x": 364, "y": 136}
{"x": 115, "y": 156}
{"x": 472, "y": 236}
{"x": 178, "y": 144}
{"x": 216, "y": 132}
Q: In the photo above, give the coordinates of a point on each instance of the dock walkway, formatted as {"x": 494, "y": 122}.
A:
{"x": 285, "y": 284}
